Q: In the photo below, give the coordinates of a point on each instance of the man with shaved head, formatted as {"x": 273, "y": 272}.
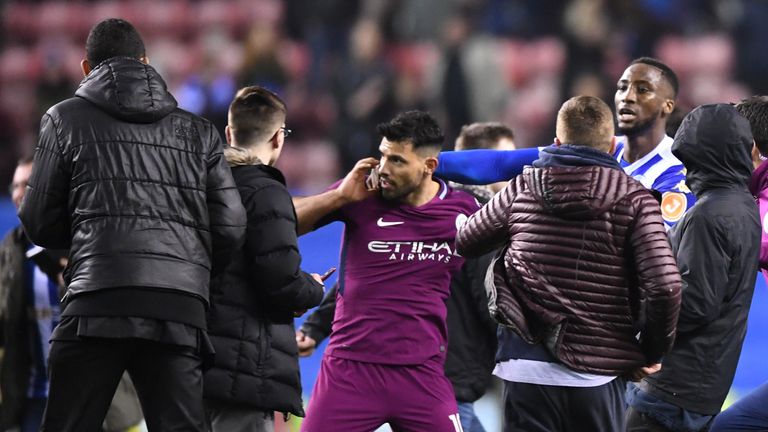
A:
{"x": 583, "y": 243}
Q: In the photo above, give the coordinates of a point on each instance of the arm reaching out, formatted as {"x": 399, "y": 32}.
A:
{"x": 484, "y": 166}
{"x": 309, "y": 210}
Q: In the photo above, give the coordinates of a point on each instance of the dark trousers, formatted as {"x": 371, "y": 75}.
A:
{"x": 85, "y": 373}
{"x": 543, "y": 408}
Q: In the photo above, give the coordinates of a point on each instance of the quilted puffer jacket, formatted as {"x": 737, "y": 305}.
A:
{"x": 587, "y": 264}
{"x": 138, "y": 188}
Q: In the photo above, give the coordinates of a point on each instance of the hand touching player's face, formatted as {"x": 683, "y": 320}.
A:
{"x": 643, "y": 97}
{"x": 402, "y": 170}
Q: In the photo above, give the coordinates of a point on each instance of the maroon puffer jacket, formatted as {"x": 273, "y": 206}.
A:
{"x": 586, "y": 268}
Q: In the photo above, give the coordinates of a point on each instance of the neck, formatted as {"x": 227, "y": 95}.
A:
{"x": 422, "y": 195}
{"x": 642, "y": 144}
{"x": 261, "y": 151}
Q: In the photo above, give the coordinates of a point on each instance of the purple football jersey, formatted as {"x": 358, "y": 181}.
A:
{"x": 395, "y": 271}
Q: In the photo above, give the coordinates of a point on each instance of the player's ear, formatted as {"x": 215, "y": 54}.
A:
{"x": 430, "y": 165}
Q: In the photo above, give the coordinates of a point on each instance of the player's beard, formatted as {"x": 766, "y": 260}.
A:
{"x": 398, "y": 192}
{"x": 639, "y": 128}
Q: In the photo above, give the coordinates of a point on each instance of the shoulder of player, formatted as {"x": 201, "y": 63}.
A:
{"x": 461, "y": 198}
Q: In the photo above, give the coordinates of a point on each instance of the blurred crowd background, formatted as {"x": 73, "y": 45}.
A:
{"x": 345, "y": 65}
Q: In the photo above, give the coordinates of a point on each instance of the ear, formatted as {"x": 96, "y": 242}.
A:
{"x": 228, "y": 135}
{"x": 668, "y": 107}
{"x": 613, "y": 145}
{"x": 85, "y": 66}
{"x": 144, "y": 59}
{"x": 756, "y": 157}
{"x": 430, "y": 164}
{"x": 557, "y": 142}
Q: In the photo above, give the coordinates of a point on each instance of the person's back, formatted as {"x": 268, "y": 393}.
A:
{"x": 140, "y": 192}
{"x": 717, "y": 244}
{"x": 750, "y": 412}
{"x": 585, "y": 268}
{"x": 256, "y": 371}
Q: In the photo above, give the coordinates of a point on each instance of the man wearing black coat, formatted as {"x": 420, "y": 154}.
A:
{"x": 717, "y": 245}
{"x": 140, "y": 193}
{"x": 256, "y": 369}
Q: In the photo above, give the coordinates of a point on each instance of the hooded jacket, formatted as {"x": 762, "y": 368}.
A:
{"x": 717, "y": 245}
{"x": 138, "y": 188}
{"x": 586, "y": 265}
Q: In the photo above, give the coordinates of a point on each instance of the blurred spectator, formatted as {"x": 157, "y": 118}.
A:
{"x": 363, "y": 91}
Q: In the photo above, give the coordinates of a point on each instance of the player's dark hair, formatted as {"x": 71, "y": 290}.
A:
{"x": 113, "y": 37}
{"x": 666, "y": 71}
{"x": 417, "y": 127}
{"x": 483, "y": 135}
{"x": 755, "y": 110}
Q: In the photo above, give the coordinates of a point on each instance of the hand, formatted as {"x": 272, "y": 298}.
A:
{"x": 640, "y": 373}
{"x": 353, "y": 187}
{"x": 318, "y": 278}
{"x": 306, "y": 344}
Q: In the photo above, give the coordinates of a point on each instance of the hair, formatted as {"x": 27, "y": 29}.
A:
{"x": 755, "y": 110}
{"x": 113, "y": 37}
{"x": 417, "y": 127}
{"x": 483, "y": 136}
{"x": 666, "y": 72}
{"x": 586, "y": 121}
{"x": 255, "y": 115}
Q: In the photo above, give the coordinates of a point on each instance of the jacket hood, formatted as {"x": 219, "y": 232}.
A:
{"x": 576, "y": 193}
{"x": 128, "y": 90}
{"x": 714, "y": 143}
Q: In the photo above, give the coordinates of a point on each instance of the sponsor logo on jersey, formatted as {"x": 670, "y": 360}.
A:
{"x": 412, "y": 250}
{"x": 673, "y": 206}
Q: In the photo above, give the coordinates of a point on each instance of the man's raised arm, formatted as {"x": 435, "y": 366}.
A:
{"x": 311, "y": 209}
{"x": 479, "y": 167}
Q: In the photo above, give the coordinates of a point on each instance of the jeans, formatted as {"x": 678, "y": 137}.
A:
{"x": 750, "y": 413}
{"x": 469, "y": 420}
{"x": 645, "y": 410}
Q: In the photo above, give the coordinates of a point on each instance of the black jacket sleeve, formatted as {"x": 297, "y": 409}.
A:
{"x": 318, "y": 324}
{"x": 44, "y": 212}
{"x": 272, "y": 251}
{"x": 704, "y": 260}
{"x": 225, "y": 210}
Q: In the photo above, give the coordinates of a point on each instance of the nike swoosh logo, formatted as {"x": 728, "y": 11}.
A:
{"x": 382, "y": 224}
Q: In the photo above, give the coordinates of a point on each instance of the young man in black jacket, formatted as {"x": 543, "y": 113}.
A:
{"x": 141, "y": 194}
{"x": 256, "y": 368}
{"x": 717, "y": 245}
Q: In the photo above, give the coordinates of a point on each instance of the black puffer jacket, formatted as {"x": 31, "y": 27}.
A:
{"x": 717, "y": 245}
{"x": 138, "y": 188}
{"x": 251, "y": 316}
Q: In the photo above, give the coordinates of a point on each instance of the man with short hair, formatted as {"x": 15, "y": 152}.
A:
{"x": 384, "y": 362}
{"x": 140, "y": 193}
{"x": 471, "y": 331}
{"x": 29, "y": 299}
{"x": 586, "y": 267}
{"x": 645, "y": 98}
{"x": 256, "y": 370}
